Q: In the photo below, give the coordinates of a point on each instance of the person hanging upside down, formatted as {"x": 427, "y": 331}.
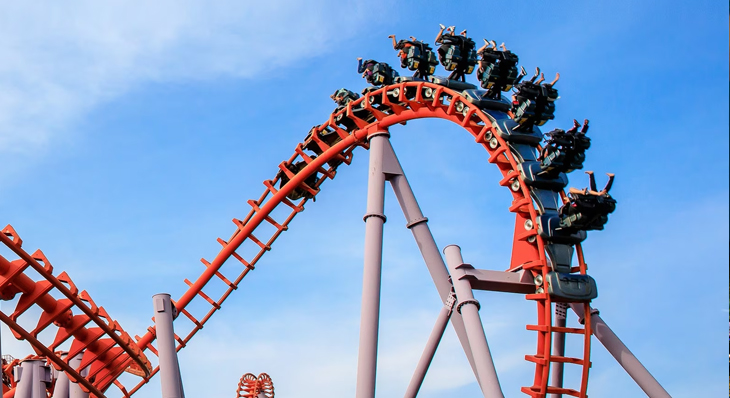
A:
{"x": 401, "y": 46}
{"x": 365, "y": 68}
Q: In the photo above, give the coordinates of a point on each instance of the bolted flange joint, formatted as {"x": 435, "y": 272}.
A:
{"x": 416, "y": 221}
{"x": 380, "y": 216}
{"x": 470, "y": 301}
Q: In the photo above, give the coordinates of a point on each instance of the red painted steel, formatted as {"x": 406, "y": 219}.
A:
{"x": 251, "y": 386}
{"x": 528, "y": 251}
{"x": 107, "y": 348}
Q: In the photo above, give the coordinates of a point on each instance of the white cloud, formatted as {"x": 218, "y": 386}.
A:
{"x": 58, "y": 61}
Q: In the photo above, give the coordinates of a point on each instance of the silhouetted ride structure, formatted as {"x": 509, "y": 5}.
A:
{"x": 81, "y": 351}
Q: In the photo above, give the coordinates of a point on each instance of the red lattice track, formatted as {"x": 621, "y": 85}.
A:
{"x": 400, "y": 103}
{"x": 107, "y": 349}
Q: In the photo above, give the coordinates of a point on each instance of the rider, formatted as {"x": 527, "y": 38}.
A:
{"x": 426, "y": 61}
{"x": 401, "y": 46}
{"x": 366, "y": 69}
{"x": 444, "y": 38}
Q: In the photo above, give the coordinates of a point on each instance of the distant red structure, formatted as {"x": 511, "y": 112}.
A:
{"x": 251, "y": 386}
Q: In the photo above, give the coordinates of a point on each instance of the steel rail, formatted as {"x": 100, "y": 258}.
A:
{"x": 528, "y": 255}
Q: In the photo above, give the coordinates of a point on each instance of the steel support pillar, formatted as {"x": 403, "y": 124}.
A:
{"x": 556, "y": 373}
{"x": 418, "y": 224}
{"x": 623, "y": 355}
{"x": 32, "y": 376}
{"x": 63, "y": 384}
{"x": 430, "y": 350}
{"x": 170, "y": 377}
{"x": 373, "y": 258}
{"x": 469, "y": 309}
{"x": 64, "y": 387}
{"x": 75, "y": 390}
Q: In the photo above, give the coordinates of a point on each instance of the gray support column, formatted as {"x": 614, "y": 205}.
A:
{"x": 418, "y": 224}
{"x": 75, "y": 390}
{"x": 62, "y": 383}
{"x": 623, "y": 355}
{"x": 32, "y": 376}
{"x": 65, "y": 388}
{"x": 373, "y": 257}
{"x": 169, "y": 367}
{"x": 556, "y": 373}
{"x": 430, "y": 350}
{"x": 469, "y": 309}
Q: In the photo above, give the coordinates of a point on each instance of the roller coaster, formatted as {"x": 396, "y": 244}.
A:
{"x": 81, "y": 351}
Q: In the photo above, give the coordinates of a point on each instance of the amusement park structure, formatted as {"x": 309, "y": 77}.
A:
{"x": 251, "y": 386}
{"x": 81, "y": 351}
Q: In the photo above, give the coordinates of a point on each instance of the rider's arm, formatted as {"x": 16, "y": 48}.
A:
{"x": 395, "y": 43}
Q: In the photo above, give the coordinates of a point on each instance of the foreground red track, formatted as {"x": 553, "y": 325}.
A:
{"x": 528, "y": 251}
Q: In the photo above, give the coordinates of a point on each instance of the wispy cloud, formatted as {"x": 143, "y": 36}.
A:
{"x": 57, "y": 62}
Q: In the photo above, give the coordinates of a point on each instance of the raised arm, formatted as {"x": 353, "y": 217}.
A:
{"x": 441, "y": 32}
{"x": 395, "y": 43}
{"x": 484, "y": 47}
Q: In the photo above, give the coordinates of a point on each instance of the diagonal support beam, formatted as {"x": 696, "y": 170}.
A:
{"x": 418, "y": 224}
{"x": 430, "y": 350}
{"x": 623, "y": 355}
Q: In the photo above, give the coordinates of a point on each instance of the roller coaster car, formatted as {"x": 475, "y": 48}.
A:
{"x": 586, "y": 211}
{"x": 358, "y": 112}
{"x": 343, "y": 96}
{"x": 328, "y": 137}
{"x": 419, "y": 57}
{"x": 570, "y": 288}
{"x": 534, "y": 104}
{"x": 498, "y": 70}
{"x": 564, "y": 151}
{"x": 383, "y": 74}
{"x": 452, "y": 84}
{"x": 460, "y": 57}
{"x": 298, "y": 192}
{"x": 483, "y": 101}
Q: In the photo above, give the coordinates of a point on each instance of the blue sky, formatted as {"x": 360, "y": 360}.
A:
{"x": 131, "y": 134}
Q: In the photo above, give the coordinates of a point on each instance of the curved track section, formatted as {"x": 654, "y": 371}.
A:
{"x": 106, "y": 349}
{"x": 332, "y": 143}
{"x": 316, "y": 160}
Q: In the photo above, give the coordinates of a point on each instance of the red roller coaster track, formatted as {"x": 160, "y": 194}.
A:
{"x": 109, "y": 351}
